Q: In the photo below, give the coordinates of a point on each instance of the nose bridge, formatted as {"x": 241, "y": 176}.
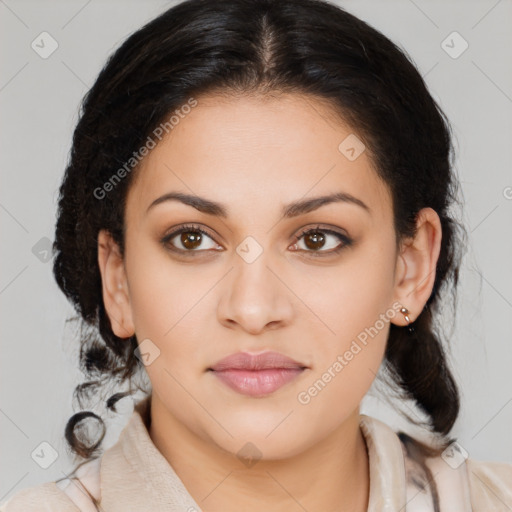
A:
{"x": 255, "y": 296}
{"x": 252, "y": 279}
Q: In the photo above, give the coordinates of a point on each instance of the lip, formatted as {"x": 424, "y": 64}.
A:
{"x": 262, "y": 361}
{"x": 257, "y": 375}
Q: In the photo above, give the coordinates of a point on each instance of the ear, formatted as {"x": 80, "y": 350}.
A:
{"x": 416, "y": 265}
{"x": 114, "y": 286}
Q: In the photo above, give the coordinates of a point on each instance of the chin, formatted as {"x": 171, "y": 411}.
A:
{"x": 257, "y": 440}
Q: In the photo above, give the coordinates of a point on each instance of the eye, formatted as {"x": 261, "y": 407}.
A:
{"x": 318, "y": 241}
{"x": 321, "y": 241}
{"x": 189, "y": 238}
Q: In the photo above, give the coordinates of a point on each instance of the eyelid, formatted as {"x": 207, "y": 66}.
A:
{"x": 187, "y": 227}
{"x": 324, "y": 228}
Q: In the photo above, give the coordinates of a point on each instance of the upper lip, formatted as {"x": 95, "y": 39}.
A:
{"x": 263, "y": 361}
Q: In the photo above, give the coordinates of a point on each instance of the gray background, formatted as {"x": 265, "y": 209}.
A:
{"x": 39, "y": 100}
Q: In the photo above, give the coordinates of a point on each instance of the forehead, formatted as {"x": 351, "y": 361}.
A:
{"x": 253, "y": 152}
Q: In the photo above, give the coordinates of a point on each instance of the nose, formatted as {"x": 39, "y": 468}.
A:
{"x": 255, "y": 297}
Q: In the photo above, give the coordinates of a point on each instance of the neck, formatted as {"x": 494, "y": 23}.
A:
{"x": 332, "y": 475}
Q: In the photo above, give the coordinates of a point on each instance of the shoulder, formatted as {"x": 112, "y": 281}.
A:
{"x": 42, "y": 497}
{"x": 455, "y": 480}
{"x": 490, "y": 485}
{"x": 478, "y": 485}
{"x": 66, "y": 495}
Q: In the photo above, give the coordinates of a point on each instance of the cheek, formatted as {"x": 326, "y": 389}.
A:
{"x": 165, "y": 303}
{"x": 162, "y": 293}
{"x": 345, "y": 366}
{"x": 349, "y": 301}
{"x": 335, "y": 391}
{"x": 352, "y": 305}
{"x": 171, "y": 307}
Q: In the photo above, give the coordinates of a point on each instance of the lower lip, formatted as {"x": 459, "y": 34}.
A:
{"x": 257, "y": 383}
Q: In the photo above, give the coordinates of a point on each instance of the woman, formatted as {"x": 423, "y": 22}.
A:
{"x": 255, "y": 215}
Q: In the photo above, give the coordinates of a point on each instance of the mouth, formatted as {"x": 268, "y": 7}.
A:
{"x": 257, "y": 375}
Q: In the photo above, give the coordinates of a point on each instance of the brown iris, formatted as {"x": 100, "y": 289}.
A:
{"x": 191, "y": 239}
{"x": 314, "y": 240}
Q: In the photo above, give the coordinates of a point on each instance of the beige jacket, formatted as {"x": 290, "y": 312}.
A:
{"x": 133, "y": 475}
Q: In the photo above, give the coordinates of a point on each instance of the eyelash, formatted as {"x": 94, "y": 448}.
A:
{"x": 346, "y": 241}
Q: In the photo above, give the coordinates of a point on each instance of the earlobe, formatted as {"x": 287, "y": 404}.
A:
{"x": 417, "y": 264}
{"x": 114, "y": 286}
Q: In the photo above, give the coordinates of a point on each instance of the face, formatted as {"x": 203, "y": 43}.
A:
{"x": 316, "y": 284}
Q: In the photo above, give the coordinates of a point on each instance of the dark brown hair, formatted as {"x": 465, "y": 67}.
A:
{"x": 229, "y": 47}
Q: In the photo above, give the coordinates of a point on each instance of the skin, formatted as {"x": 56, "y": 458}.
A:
{"x": 255, "y": 155}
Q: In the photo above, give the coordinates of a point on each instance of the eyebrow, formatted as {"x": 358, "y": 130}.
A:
{"x": 291, "y": 210}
